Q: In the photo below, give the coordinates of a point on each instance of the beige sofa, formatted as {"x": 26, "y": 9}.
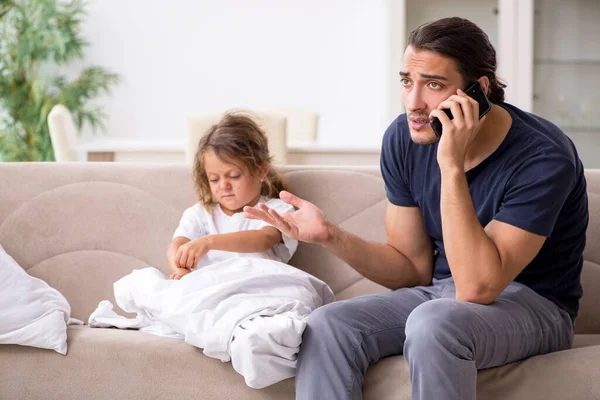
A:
{"x": 81, "y": 226}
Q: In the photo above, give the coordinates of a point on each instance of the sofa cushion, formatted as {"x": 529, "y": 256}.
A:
{"x": 585, "y": 341}
{"x": 86, "y": 277}
{"x": 588, "y": 319}
{"x": 125, "y": 364}
{"x": 354, "y": 200}
{"x": 362, "y": 287}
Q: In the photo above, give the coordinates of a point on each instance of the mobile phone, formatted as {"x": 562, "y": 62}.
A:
{"x": 473, "y": 90}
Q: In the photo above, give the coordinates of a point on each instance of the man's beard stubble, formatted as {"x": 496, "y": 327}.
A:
{"x": 424, "y": 136}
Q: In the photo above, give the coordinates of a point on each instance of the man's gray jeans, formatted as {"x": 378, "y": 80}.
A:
{"x": 444, "y": 341}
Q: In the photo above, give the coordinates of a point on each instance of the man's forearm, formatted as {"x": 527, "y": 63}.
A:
{"x": 378, "y": 262}
{"x": 472, "y": 256}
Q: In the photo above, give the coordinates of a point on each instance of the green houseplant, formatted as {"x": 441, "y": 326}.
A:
{"x": 37, "y": 37}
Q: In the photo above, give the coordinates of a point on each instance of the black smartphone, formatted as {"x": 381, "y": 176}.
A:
{"x": 473, "y": 90}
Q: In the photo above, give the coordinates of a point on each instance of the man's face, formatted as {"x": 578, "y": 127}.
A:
{"x": 427, "y": 79}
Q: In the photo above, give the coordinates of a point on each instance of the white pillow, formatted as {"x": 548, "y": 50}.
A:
{"x": 31, "y": 312}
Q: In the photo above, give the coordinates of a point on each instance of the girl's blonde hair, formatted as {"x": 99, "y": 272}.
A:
{"x": 236, "y": 137}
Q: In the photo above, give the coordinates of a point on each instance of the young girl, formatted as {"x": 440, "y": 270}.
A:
{"x": 231, "y": 170}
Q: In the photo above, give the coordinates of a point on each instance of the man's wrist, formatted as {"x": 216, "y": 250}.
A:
{"x": 332, "y": 233}
{"x": 452, "y": 170}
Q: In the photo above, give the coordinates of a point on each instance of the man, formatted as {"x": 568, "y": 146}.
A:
{"x": 485, "y": 234}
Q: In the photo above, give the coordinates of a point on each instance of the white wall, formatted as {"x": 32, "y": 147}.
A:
{"x": 183, "y": 56}
{"x": 481, "y": 12}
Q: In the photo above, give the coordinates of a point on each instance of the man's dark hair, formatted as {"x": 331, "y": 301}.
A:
{"x": 467, "y": 45}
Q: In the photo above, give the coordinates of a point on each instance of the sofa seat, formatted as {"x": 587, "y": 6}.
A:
{"x": 126, "y": 364}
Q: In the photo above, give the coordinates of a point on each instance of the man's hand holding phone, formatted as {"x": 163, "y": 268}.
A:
{"x": 458, "y": 132}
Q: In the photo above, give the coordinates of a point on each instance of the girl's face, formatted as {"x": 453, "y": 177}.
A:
{"x": 231, "y": 184}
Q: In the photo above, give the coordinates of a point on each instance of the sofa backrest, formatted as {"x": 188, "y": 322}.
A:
{"x": 588, "y": 319}
{"x": 82, "y": 226}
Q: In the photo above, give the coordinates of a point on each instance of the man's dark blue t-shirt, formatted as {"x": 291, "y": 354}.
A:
{"x": 534, "y": 181}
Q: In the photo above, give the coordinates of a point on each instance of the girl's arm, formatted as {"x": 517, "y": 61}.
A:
{"x": 172, "y": 251}
{"x": 253, "y": 241}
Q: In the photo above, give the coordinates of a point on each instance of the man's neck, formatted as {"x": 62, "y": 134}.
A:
{"x": 497, "y": 124}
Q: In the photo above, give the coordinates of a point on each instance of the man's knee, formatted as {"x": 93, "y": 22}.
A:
{"x": 343, "y": 322}
{"x": 334, "y": 316}
{"x": 442, "y": 322}
{"x": 328, "y": 331}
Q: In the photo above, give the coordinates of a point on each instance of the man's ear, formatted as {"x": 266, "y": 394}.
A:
{"x": 484, "y": 81}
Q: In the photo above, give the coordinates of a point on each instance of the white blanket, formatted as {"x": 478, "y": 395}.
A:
{"x": 248, "y": 310}
{"x": 31, "y": 312}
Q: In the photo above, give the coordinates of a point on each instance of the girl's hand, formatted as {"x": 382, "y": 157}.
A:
{"x": 307, "y": 224}
{"x": 181, "y": 272}
{"x": 191, "y": 252}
